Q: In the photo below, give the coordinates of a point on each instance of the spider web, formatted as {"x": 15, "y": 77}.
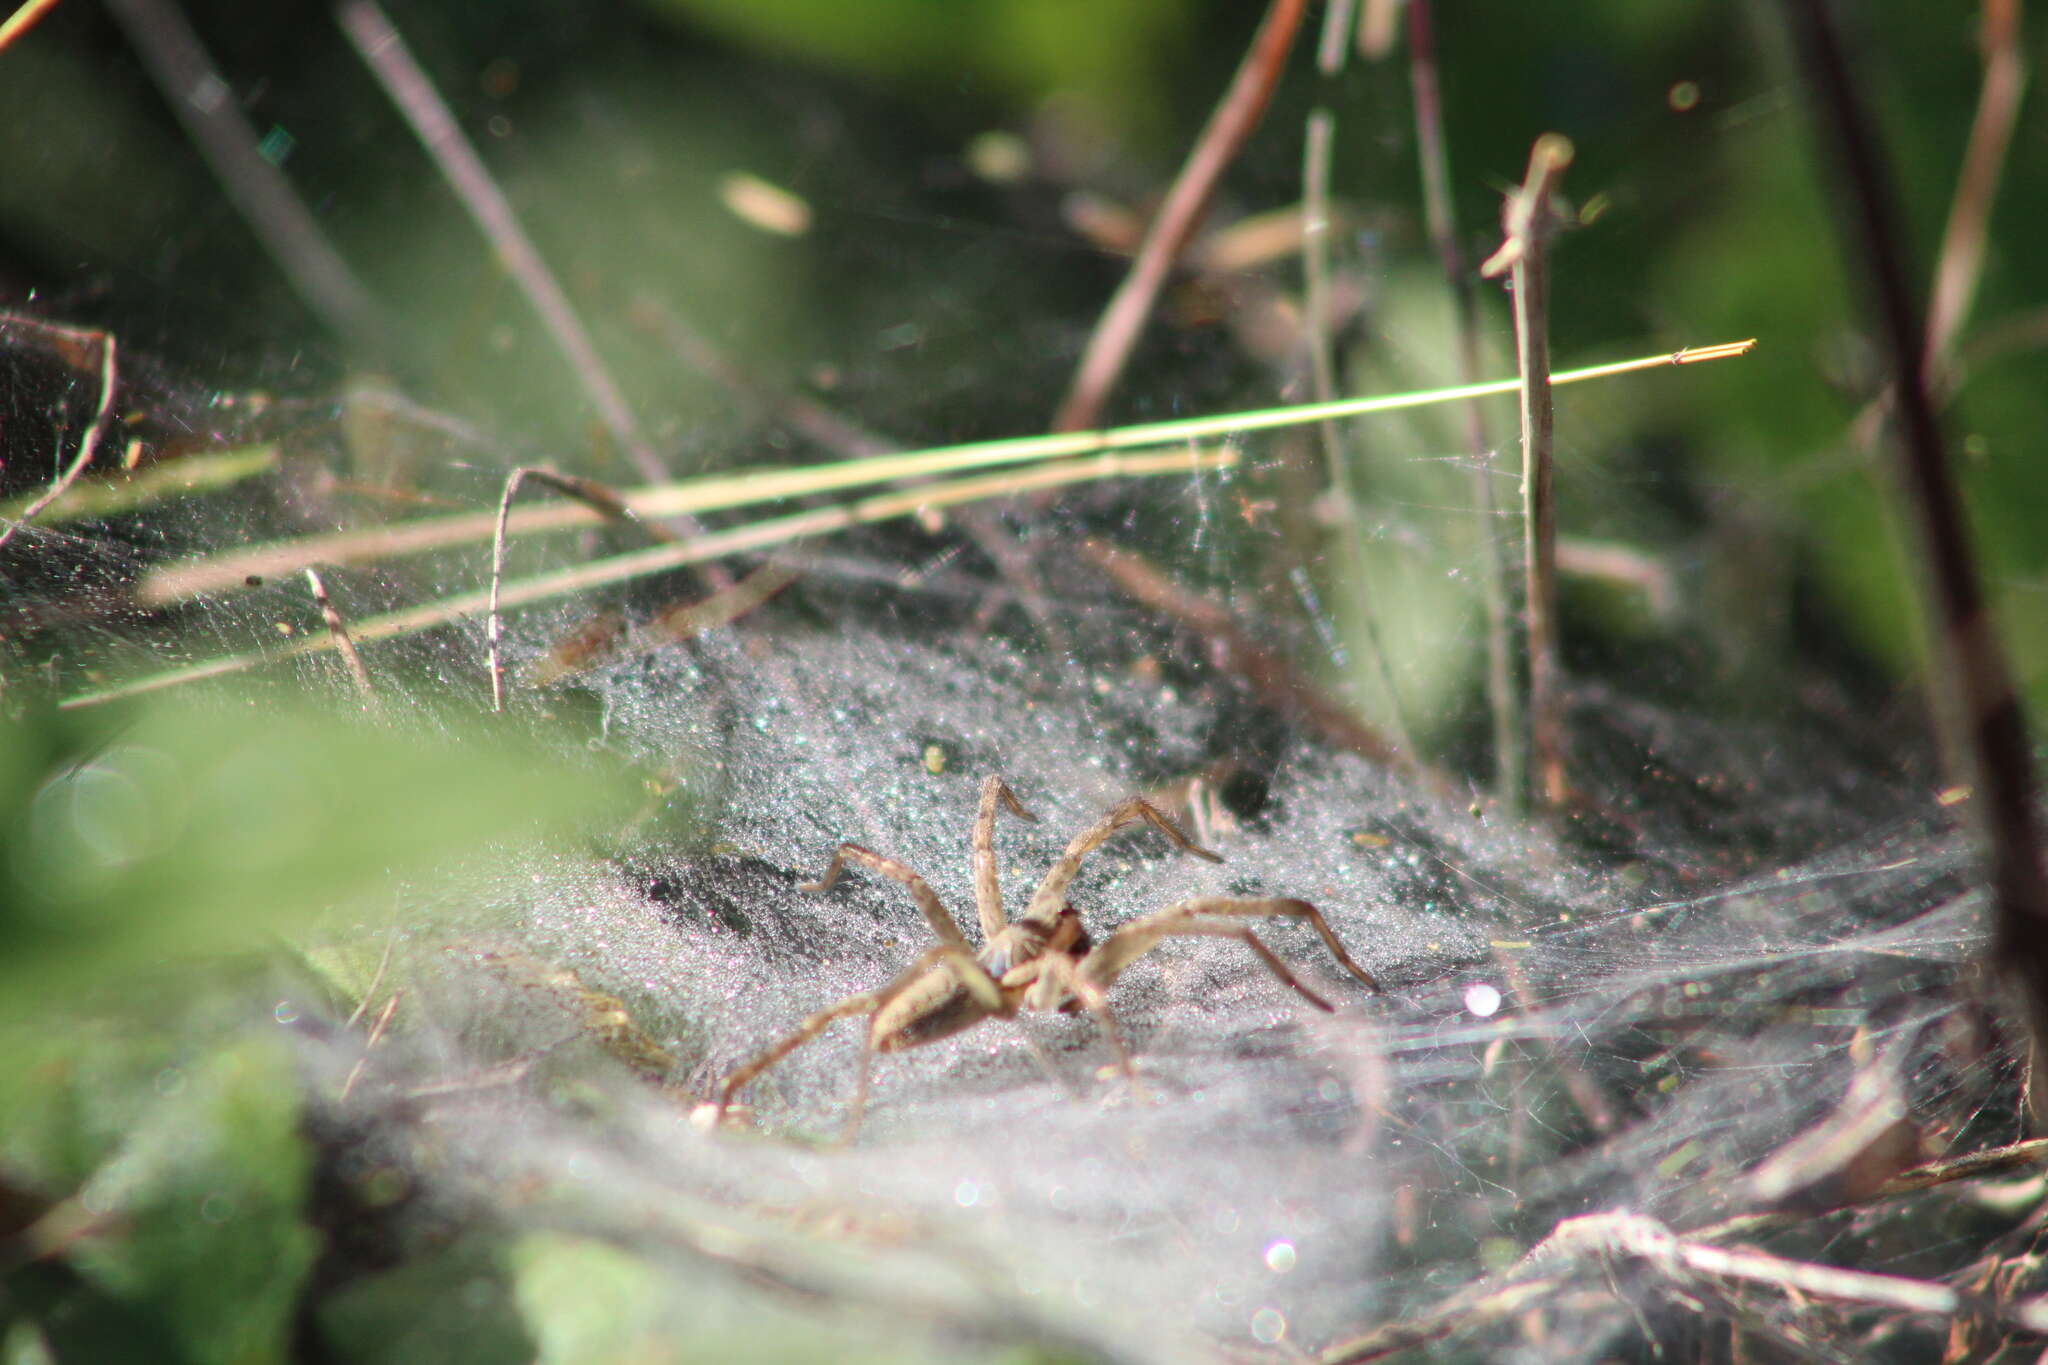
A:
{"x": 1638, "y": 1008}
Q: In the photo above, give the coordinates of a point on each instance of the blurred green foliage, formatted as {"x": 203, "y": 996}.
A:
{"x": 152, "y": 1156}
{"x": 1120, "y": 58}
{"x": 186, "y": 1177}
{"x": 174, "y": 831}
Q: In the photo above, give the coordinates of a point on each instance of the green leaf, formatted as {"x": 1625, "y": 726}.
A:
{"x": 197, "y": 830}
{"x": 453, "y": 1307}
{"x": 199, "y": 1209}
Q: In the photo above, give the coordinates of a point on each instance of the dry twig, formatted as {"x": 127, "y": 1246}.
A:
{"x": 1236, "y": 115}
{"x": 1960, "y": 262}
{"x": 212, "y": 117}
{"x": 1271, "y": 675}
{"x": 338, "y": 629}
{"x": 72, "y": 343}
{"x": 386, "y": 54}
{"x": 591, "y": 494}
{"x": 1530, "y": 219}
{"x": 1967, "y": 650}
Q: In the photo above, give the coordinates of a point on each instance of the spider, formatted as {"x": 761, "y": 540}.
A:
{"x": 1043, "y": 960}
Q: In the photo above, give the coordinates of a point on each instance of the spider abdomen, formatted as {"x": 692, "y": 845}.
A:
{"x": 918, "y": 1016}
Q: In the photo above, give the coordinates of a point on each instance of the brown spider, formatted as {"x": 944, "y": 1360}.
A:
{"x": 1043, "y": 960}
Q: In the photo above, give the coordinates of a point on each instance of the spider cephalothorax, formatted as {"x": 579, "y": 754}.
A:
{"x": 1042, "y": 960}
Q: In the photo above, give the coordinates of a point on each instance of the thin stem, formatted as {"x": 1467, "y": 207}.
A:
{"x": 72, "y": 338}
{"x": 388, "y": 58}
{"x": 747, "y": 539}
{"x": 1968, "y": 656}
{"x": 338, "y": 629}
{"x": 1511, "y": 760}
{"x": 1960, "y": 263}
{"x": 1530, "y": 218}
{"x": 1117, "y": 331}
{"x": 1334, "y": 42}
{"x": 22, "y": 20}
{"x": 212, "y": 117}
{"x": 226, "y": 573}
{"x": 591, "y": 494}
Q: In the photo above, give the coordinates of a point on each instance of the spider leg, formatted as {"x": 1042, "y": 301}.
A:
{"x": 935, "y": 914}
{"x": 1210, "y": 915}
{"x": 988, "y": 891}
{"x": 1052, "y": 892}
{"x": 1053, "y": 978}
{"x": 867, "y": 1002}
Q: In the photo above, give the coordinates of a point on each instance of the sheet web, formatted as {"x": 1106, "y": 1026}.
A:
{"x": 1286, "y": 1173}
{"x": 1754, "y": 930}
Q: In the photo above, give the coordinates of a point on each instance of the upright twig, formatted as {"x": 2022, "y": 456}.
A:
{"x": 1335, "y": 40}
{"x": 1968, "y": 656}
{"x": 1961, "y": 260}
{"x": 591, "y": 494}
{"x": 388, "y": 58}
{"x": 338, "y": 629}
{"x": 1530, "y": 219}
{"x": 1960, "y": 263}
{"x": 1510, "y": 759}
{"x": 1117, "y": 331}
{"x": 72, "y": 343}
{"x": 212, "y": 117}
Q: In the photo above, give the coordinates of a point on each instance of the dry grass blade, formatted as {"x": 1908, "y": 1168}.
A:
{"x": 1960, "y": 263}
{"x": 746, "y": 539}
{"x": 604, "y": 640}
{"x": 1335, "y": 39}
{"x": 22, "y": 20}
{"x": 377, "y": 1031}
{"x": 89, "y": 444}
{"x": 230, "y": 572}
{"x": 117, "y": 494}
{"x": 591, "y": 494}
{"x": 1236, "y": 115}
